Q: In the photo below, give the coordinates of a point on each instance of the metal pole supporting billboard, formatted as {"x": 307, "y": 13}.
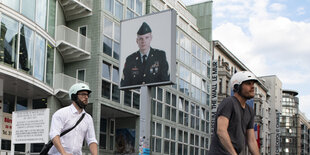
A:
{"x": 145, "y": 121}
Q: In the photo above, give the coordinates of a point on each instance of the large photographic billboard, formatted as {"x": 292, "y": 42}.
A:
{"x": 148, "y": 50}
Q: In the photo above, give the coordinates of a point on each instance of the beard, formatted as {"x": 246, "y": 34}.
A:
{"x": 80, "y": 103}
{"x": 246, "y": 95}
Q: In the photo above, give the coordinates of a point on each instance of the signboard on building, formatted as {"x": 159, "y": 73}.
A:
{"x": 278, "y": 132}
{"x": 148, "y": 50}
{"x": 214, "y": 94}
{"x": 6, "y": 122}
{"x": 30, "y": 126}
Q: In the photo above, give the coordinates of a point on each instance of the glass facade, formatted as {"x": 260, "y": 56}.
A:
{"x": 194, "y": 69}
{"x": 32, "y": 57}
{"x": 289, "y": 123}
{"x": 35, "y": 10}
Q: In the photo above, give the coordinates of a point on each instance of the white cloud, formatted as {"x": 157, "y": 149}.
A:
{"x": 301, "y": 11}
{"x": 304, "y": 105}
{"x": 277, "y": 7}
{"x": 268, "y": 44}
{"x": 240, "y": 44}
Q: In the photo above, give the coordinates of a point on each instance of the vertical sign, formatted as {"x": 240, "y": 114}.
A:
{"x": 277, "y": 133}
{"x": 214, "y": 94}
{"x": 6, "y": 126}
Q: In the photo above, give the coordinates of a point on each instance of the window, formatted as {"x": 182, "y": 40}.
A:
{"x": 103, "y": 133}
{"x": 156, "y": 139}
{"x": 39, "y": 103}
{"x": 5, "y": 144}
{"x": 110, "y": 79}
{"x": 111, "y": 39}
{"x": 8, "y": 103}
{"x": 52, "y": 18}
{"x": 49, "y": 64}
{"x": 14, "y": 4}
{"x": 112, "y": 133}
{"x": 157, "y": 105}
{"x": 80, "y": 74}
{"x": 8, "y": 41}
{"x": 26, "y": 49}
{"x": 132, "y": 99}
{"x": 83, "y": 30}
{"x": 41, "y": 6}
{"x": 115, "y": 7}
{"x": 28, "y": 9}
{"x": 118, "y": 10}
{"x": 108, "y": 5}
{"x": 21, "y": 104}
{"x": 134, "y": 8}
{"x": 39, "y": 57}
{"x": 139, "y": 7}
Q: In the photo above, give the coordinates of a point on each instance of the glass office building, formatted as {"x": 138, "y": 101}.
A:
{"x": 289, "y": 123}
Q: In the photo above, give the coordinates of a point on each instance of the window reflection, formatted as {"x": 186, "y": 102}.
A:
{"x": 39, "y": 58}
{"x": 28, "y": 9}
{"x": 21, "y": 103}
{"x": 8, "y": 103}
{"x": 108, "y": 5}
{"x": 14, "y": 4}
{"x": 41, "y": 13}
{"x": 49, "y": 64}
{"x": 26, "y": 49}
{"x": 8, "y": 41}
{"x": 139, "y": 7}
{"x": 116, "y": 50}
{"x": 107, "y": 46}
{"x": 110, "y": 41}
{"x": 118, "y": 10}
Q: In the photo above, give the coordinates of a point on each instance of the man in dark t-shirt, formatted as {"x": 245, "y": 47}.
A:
{"x": 234, "y": 119}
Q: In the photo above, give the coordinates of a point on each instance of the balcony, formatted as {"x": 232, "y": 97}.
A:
{"x": 63, "y": 83}
{"x": 72, "y": 45}
{"x": 19, "y": 82}
{"x": 75, "y": 9}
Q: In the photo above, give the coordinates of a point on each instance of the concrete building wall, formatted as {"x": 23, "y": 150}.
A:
{"x": 275, "y": 91}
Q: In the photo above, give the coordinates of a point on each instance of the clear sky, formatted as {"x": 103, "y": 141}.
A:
{"x": 271, "y": 37}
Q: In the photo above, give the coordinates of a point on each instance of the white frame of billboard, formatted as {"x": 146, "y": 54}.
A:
{"x": 158, "y": 22}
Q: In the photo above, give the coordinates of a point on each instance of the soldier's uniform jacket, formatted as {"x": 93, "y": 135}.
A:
{"x": 154, "y": 70}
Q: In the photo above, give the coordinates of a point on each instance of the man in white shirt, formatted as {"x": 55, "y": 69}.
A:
{"x": 65, "y": 118}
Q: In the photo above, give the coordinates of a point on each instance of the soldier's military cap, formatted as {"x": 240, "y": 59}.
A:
{"x": 144, "y": 29}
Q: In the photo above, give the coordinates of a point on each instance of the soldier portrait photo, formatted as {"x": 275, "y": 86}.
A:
{"x": 147, "y": 64}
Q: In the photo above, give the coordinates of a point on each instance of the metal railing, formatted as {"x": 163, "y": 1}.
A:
{"x": 64, "y": 82}
{"x": 70, "y": 36}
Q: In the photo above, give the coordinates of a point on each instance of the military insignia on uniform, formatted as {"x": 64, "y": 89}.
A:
{"x": 154, "y": 68}
{"x": 134, "y": 71}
